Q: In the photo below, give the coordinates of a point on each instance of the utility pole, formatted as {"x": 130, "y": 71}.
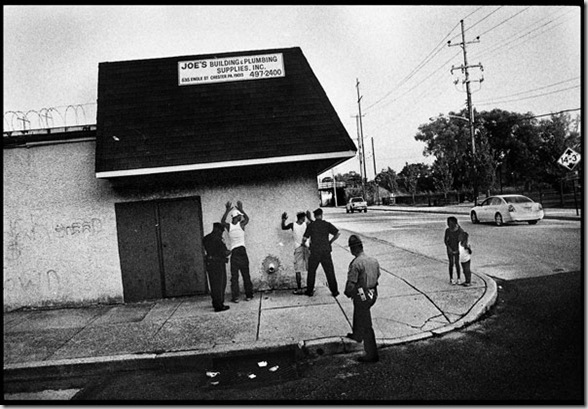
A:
{"x": 375, "y": 172}
{"x": 360, "y": 147}
{"x": 362, "y": 150}
{"x": 464, "y": 69}
{"x": 334, "y": 186}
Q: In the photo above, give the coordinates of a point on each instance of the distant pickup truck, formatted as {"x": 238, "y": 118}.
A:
{"x": 356, "y": 203}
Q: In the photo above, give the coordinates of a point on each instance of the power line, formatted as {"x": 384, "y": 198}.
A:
{"x": 532, "y": 90}
{"x": 439, "y": 47}
{"x": 530, "y": 97}
{"x": 553, "y": 113}
{"x": 489, "y": 50}
{"x": 504, "y": 21}
{"x": 478, "y": 22}
{"x": 423, "y": 80}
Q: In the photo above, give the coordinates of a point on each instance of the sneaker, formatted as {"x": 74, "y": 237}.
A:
{"x": 248, "y": 298}
{"x": 458, "y": 281}
{"x": 299, "y": 291}
{"x": 223, "y": 308}
{"x": 452, "y": 281}
{"x": 235, "y": 300}
{"x": 466, "y": 284}
{"x": 309, "y": 293}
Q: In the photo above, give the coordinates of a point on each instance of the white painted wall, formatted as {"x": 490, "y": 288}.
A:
{"x": 60, "y": 238}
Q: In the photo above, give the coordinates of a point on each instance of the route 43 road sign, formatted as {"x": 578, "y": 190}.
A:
{"x": 569, "y": 159}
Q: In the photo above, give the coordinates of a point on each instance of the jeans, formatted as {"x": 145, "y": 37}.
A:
{"x": 454, "y": 260}
{"x": 240, "y": 262}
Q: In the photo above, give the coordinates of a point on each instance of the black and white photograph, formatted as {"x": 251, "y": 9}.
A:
{"x": 294, "y": 204}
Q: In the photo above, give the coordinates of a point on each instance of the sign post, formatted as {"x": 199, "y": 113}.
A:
{"x": 569, "y": 160}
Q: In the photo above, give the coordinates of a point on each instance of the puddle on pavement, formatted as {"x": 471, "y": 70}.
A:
{"x": 252, "y": 370}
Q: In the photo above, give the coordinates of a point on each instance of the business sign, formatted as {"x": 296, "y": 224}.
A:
{"x": 211, "y": 70}
{"x": 569, "y": 159}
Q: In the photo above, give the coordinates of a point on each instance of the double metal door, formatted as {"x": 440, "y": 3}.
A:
{"x": 160, "y": 248}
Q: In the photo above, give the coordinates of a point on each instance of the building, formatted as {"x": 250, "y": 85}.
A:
{"x": 116, "y": 212}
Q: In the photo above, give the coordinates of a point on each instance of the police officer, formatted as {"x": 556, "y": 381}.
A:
{"x": 216, "y": 258}
{"x": 319, "y": 232}
{"x": 361, "y": 286}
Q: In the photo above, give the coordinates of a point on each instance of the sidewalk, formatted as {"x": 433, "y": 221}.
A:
{"x": 415, "y": 302}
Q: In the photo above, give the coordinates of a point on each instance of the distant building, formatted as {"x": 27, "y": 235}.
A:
{"x": 117, "y": 212}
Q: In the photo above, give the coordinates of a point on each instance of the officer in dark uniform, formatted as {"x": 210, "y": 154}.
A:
{"x": 361, "y": 286}
{"x": 216, "y": 259}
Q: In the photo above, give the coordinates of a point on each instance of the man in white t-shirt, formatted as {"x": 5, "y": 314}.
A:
{"x": 239, "y": 259}
{"x": 301, "y": 250}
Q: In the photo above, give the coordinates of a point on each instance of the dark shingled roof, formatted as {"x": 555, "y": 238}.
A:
{"x": 146, "y": 120}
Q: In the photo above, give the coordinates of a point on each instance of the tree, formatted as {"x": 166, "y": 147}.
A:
{"x": 556, "y": 135}
{"x": 387, "y": 179}
{"x": 352, "y": 179}
{"x": 411, "y": 174}
{"x": 442, "y": 176}
{"x": 449, "y": 138}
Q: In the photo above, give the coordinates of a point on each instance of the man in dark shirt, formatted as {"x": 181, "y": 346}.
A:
{"x": 361, "y": 287}
{"x": 320, "y": 252}
{"x": 216, "y": 258}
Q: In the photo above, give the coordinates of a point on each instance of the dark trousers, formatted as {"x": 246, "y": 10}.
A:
{"x": 323, "y": 258}
{"x": 217, "y": 277}
{"x": 466, "y": 271}
{"x": 240, "y": 262}
{"x": 362, "y": 324}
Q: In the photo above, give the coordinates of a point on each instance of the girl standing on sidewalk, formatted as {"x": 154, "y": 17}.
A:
{"x": 465, "y": 256}
{"x": 452, "y": 236}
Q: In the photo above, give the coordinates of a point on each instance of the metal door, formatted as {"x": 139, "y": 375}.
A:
{"x": 160, "y": 248}
{"x": 181, "y": 242}
{"x": 137, "y": 245}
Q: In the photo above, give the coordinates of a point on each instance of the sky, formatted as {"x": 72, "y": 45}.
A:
{"x": 530, "y": 55}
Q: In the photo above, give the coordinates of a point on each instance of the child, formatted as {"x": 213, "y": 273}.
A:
{"x": 452, "y": 234}
{"x": 465, "y": 256}
{"x": 301, "y": 250}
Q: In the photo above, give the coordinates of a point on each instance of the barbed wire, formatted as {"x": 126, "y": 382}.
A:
{"x": 50, "y": 117}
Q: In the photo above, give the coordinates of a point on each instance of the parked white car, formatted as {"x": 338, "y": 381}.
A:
{"x": 502, "y": 209}
{"x": 356, "y": 204}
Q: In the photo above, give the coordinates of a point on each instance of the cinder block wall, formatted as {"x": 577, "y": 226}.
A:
{"x": 60, "y": 238}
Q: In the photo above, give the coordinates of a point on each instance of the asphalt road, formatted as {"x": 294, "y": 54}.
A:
{"x": 512, "y": 251}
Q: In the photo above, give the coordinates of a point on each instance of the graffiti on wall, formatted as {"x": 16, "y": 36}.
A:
{"x": 29, "y": 277}
{"x": 92, "y": 227}
{"x": 22, "y": 232}
{"x": 34, "y": 282}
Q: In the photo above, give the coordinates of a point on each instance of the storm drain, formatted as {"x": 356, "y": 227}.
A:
{"x": 252, "y": 370}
